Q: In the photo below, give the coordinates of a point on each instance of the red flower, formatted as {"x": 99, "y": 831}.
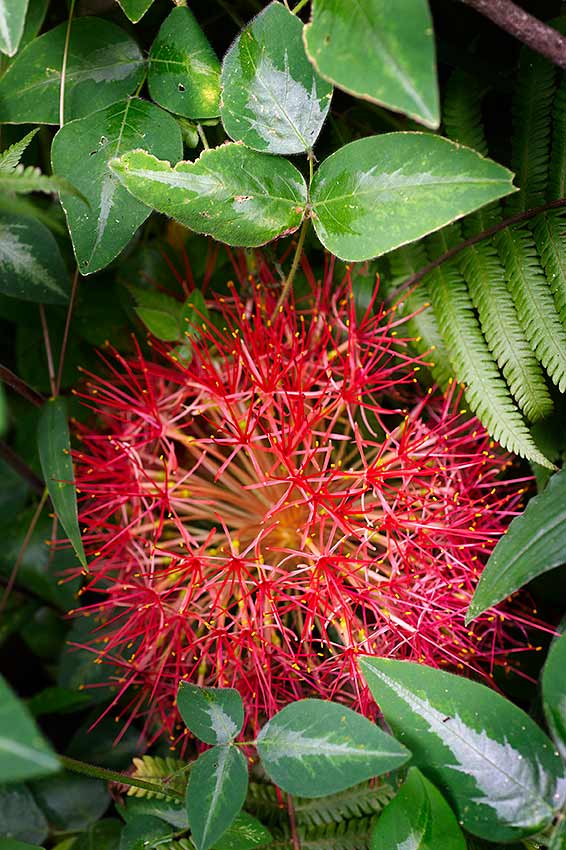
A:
{"x": 286, "y": 500}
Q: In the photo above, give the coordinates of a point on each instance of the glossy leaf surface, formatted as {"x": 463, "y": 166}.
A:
{"x": 381, "y": 192}
{"x": 554, "y": 692}
{"x": 31, "y": 266}
{"x": 12, "y": 19}
{"x": 214, "y": 715}
{"x": 81, "y": 152}
{"x": 24, "y": 753}
{"x": 313, "y": 748}
{"x": 215, "y": 794}
{"x": 236, "y": 195}
{"x": 135, "y": 9}
{"x": 272, "y": 98}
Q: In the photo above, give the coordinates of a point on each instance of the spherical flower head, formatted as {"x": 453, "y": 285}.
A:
{"x": 284, "y": 501}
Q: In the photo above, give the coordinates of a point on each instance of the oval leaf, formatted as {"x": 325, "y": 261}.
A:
{"x": 245, "y": 833}
{"x": 371, "y": 49}
{"x": 104, "y": 65}
{"x": 12, "y": 19}
{"x": 81, "y": 151}
{"x": 381, "y": 192}
{"x": 496, "y": 767}
{"x": 31, "y": 266}
{"x": 535, "y": 542}
{"x": 184, "y": 71}
{"x": 554, "y": 693}
{"x": 20, "y": 816}
{"x": 313, "y": 748}
{"x": 216, "y": 792}
{"x": 272, "y": 98}
{"x": 135, "y": 9}
{"x": 214, "y": 715}
{"x": 24, "y": 753}
{"x": 54, "y": 445}
{"x": 231, "y": 193}
{"x": 418, "y": 818}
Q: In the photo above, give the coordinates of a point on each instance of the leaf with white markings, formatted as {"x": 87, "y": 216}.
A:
{"x": 378, "y": 193}
{"x": 313, "y": 748}
{"x": 24, "y": 753}
{"x": 272, "y": 98}
{"x": 31, "y": 266}
{"x": 12, "y": 19}
{"x": 492, "y": 762}
{"x": 418, "y": 818}
{"x": 374, "y": 50}
{"x": 81, "y": 152}
{"x": 236, "y": 195}
{"x": 104, "y": 65}
{"x": 245, "y": 833}
{"x": 214, "y": 715}
{"x": 216, "y": 792}
{"x": 54, "y": 445}
{"x": 534, "y": 543}
{"x": 183, "y": 69}
{"x": 554, "y": 693}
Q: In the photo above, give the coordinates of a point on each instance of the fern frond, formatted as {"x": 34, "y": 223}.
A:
{"x": 422, "y": 327}
{"x": 24, "y": 180}
{"x": 462, "y": 111}
{"x": 486, "y": 392}
{"x": 11, "y": 157}
{"x": 171, "y": 772}
{"x": 360, "y": 801}
{"x": 557, "y": 175}
{"x": 532, "y": 110}
{"x": 485, "y": 276}
{"x": 264, "y": 802}
{"x": 348, "y": 835}
{"x": 550, "y": 237}
{"x": 534, "y": 302}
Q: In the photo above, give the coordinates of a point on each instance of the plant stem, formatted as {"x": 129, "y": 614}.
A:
{"x": 300, "y": 5}
{"x": 23, "y": 549}
{"x": 64, "y": 65}
{"x": 525, "y": 27}
{"x": 48, "y": 351}
{"x": 66, "y": 331}
{"x": 8, "y": 455}
{"x": 473, "y": 240}
{"x": 115, "y": 776}
{"x": 293, "y": 271}
{"x": 202, "y": 137}
{"x": 11, "y": 380}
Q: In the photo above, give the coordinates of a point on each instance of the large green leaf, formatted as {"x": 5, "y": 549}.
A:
{"x": 12, "y": 19}
{"x": 214, "y": 715}
{"x": 534, "y": 543}
{"x": 381, "y": 192}
{"x": 135, "y": 9}
{"x": 215, "y": 794}
{"x": 20, "y": 816}
{"x": 24, "y": 752}
{"x": 494, "y": 764}
{"x": 554, "y": 693}
{"x": 81, "y": 151}
{"x": 236, "y": 195}
{"x": 31, "y": 266}
{"x": 418, "y": 818}
{"x": 71, "y": 802}
{"x": 54, "y": 445}
{"x": 313, "y": 748}
{"x": 272, "y": 98}
{"x": 245, "y": 833}
{"x": 184, "y": 71}
{"x": 144, "y": 832}
{"x": 104, "y": 64}
{"x": 103, "y": 835}
{"x": 378, "y": 51}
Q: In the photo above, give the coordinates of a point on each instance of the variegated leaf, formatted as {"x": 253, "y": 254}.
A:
{"x": 12, "y": 19}
{"x": 31, "y": 266}
{"x": 215, "y": 794}
{"x": 214, "y": 715}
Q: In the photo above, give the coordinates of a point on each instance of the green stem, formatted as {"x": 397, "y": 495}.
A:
{"x": 64, "y": 65}
{"x": 293, "y": 271}
{"x": 115, "y": 776}
{"x": 300, "y": 5}
{"x": 202, "y": 137}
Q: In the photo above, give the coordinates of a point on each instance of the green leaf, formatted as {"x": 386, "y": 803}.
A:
{"x": 534, "y": 543}
{"x": 71, "y": 802}
{"x": 272, "y": 98}
{"x": 135, "y": 9}
{"x": 104, "y": 835}
{"x": 20, "y": 816}
{"x": 381, "y": 192}
{"x": 418, "y": 818}
{"x": 31, "y": 266}
{"x": 11, "y": 844}
{"x": 495, "y": 766}
{"x": 171, "y": 811}
{"x": 214, "y": 715}
{"x": 25, "y": 180}
{"x": 11, "y": 156}
{"x": 104, "y": 65}
{"x": 245, "y": 833}
{"x": 231, "y": 193}
{"x": 24, "y": 752}
{"x": 37, "y": 10}
{"x": 56, "y": 700}
{"x": 12, "y": 19}
{"x": 54, "y": 445}
{"x": 144, "y": 832}
{"x": 554, "y": 693}
{"x": 183, "y": 70}
{"x": 77, "y": 671}
{"x": 314, "y": 748}
{"x": 375, "y": 50}
{"x": 215, "y": 794}
{"x": 160, "y": 313}
{"x": 81, "y": 152}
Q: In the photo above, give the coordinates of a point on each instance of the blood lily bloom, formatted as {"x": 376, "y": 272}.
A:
{"x": 287, "y": 499}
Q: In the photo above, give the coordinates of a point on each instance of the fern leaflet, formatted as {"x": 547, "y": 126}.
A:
{"x": 170, "y": 772}
{"x": 557, "y": 175}
{"x": 24, "y": 180}
{"x": 550, "y": 237}
{"x": 347, "y": 835}
{"x": 11, "y": 157}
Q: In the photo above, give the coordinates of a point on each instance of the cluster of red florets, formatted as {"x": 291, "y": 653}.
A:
{"x": 286, "y": 500}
